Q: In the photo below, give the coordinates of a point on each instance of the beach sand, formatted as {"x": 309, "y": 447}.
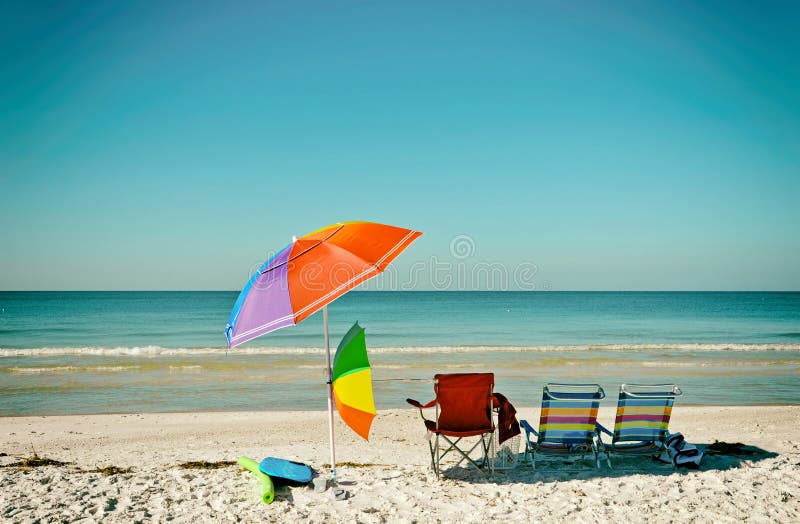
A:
{"x": 389, "y": 477}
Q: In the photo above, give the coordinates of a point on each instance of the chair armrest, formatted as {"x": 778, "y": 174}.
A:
{"x": 602, "y": 429}
{"x": 420, "y": 406}
{"x": 528, "y": 430}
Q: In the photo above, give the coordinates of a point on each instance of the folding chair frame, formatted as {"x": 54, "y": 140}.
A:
{"x": 437, "y": 454}
{"x": 486, "y": 442}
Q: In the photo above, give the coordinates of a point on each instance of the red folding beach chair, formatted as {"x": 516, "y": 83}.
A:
{"x": 463, "y": 409}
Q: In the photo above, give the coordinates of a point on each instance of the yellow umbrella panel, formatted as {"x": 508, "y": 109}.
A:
{"x": 352, "y": 382}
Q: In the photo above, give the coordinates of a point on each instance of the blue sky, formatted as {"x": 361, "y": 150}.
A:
{"x": 639, "y": 145}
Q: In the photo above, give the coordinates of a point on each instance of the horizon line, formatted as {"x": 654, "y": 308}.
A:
{"x": 416, "y": 291}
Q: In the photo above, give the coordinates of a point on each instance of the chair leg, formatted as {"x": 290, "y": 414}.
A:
{"x": 433, "y": 455}
{"x": 491, "y": 451}
{"x": 486, "y": 448}
{"x": 601, "y": 448}
{"x": 529, "y": 455}
{"x": 438, "y": 464}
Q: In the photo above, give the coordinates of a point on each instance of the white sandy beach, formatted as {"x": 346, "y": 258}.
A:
{"x": 389, "y": 478}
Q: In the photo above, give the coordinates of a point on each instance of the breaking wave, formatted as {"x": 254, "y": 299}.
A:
{"x": 68, "y": 369}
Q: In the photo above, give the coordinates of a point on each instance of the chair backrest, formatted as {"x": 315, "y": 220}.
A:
{"x": 643, "y": 412}
{"x": 464, "y": 401}
{"x": 569, "y": 413}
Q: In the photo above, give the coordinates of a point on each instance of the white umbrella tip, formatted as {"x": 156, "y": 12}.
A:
{"x": 294, "y": 239}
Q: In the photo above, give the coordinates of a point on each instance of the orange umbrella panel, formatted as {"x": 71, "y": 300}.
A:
{"x": 331, "y": 261}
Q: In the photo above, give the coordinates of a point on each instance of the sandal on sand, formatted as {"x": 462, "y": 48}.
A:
{"x": 341, "y": 494}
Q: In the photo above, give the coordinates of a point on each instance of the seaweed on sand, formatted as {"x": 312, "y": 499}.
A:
{"x": 202, "y": 464}
{"x": 35, "y": 461}
{"x": 110, "y": 470}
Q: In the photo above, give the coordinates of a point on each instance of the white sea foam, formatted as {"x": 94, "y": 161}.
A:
{"x": 23, "y": 370}
{"x": 158, "y": 351}
{"x": 152, "y": 351}
{"x": 187, "y": 368}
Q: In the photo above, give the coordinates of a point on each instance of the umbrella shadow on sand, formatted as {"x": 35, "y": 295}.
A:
{"x": 718, "y": 456}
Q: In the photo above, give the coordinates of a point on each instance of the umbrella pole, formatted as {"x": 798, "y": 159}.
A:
{"x": 330, "y": 394}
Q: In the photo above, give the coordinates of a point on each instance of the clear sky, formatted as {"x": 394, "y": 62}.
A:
{"x": 168, "y": 145}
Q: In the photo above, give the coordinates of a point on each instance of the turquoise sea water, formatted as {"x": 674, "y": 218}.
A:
{"x": 94, "y": 352}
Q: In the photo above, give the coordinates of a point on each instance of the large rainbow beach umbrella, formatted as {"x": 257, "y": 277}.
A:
{"x": 306, "y": 276}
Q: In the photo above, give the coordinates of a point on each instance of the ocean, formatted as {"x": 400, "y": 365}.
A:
{"x": 120, "y": 352}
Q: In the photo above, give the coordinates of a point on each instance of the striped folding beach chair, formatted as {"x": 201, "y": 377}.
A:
{"x": 567, "y": 425}
{"x": 641, "y": 426}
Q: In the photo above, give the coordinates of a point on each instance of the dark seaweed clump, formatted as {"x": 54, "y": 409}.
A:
{"x": 35, "y": 461}
{"x": 202, "y": 464}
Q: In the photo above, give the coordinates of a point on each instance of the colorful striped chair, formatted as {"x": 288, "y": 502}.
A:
{"x": 567, "y": 425}
{"x": 642, "y": 423}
